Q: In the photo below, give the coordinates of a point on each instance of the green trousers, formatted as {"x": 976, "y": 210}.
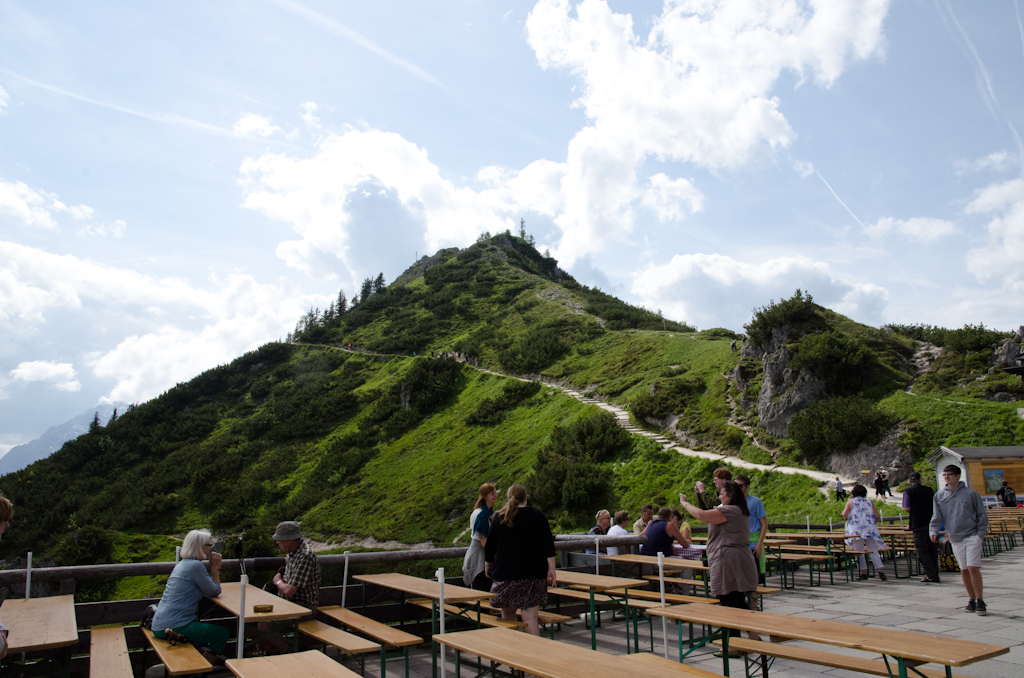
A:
{"x": 208, "y": 635}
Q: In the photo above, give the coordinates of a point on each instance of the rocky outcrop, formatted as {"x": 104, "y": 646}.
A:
{"x": 1006, "y": 355}
{"x": 886, "y": 454}
{"x": 784, "y": 392}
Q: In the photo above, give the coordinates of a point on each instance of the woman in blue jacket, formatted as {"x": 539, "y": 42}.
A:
{"x": 188, "y": 584}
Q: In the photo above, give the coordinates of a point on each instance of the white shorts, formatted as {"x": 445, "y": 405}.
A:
{"x": 968, "y": 551}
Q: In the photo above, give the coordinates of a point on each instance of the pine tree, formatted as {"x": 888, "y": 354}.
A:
{"x": 113, "y": 417}
{"x": 342, "y": 302}
{"x": 330, "y": 314}
{"x": 95, "y": 425}
{"x": 367, "y": 289}
{"x": 378, "y": 284}
{"x": 354, "y": 302}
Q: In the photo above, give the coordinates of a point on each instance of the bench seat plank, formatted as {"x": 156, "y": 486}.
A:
{"x": 761, "y": 590}
{"x": 108, "y": 653}
{"x": 344, "y": 641}
{"x": 388, "y": 635}
{"x": 837, "y": 661}
{"x": 180, "y": 659}
{"x": 646, "y": 663}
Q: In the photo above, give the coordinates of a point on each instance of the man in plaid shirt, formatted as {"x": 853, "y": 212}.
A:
{"x": 300, "y": 582}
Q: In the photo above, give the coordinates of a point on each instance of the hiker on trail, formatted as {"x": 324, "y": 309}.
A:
{"x": 646, "y": 516}
{"x": 879, "y": 485}
{"x": 862, "y": 524}
{"x": 918, "y": 500}
{"x": 840, "y": 492}
{"x": 733, "y": 345}
{"x": 709, "y": 501}
{"x": 1006, "y": 495}
{"x": 758, "y": 525}
{"x": 885, "y": 479}
{"x": 962, "y": 510}
{"x": 480, "y": 526}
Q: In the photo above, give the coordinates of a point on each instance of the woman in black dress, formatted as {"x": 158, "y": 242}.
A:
{"x": 520, "y": 559}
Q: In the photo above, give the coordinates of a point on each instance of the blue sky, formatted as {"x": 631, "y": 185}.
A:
{"x": 179, "y": 182}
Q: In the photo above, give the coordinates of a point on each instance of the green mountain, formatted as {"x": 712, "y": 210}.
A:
{"x": 359, "y": 428}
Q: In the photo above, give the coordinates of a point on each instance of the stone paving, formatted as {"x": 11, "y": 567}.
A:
{"x": 899, "y": 604}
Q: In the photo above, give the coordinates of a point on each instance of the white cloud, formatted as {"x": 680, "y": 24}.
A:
{"x": 61, "y": 375}
{"x": 114, "y": 229}
{"x": 1001, "y": 257}
{"x": 26, "y": 205}
{"x": 254, "y": 124}
{"x": 5, "y": 101}
{"x": 925, "y": 229}
{"x": 208, "y": 325}
{"x": 698, "y": 89}
{"x": 999, "y": 161}
{"x": 713, "y": 288}
{"x": 308, "y": 109}
{"x": 669, "y": 198}
{"x": 805, "y": 168}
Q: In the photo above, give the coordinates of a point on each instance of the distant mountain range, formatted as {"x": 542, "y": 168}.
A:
{"x": 21, "y": 456}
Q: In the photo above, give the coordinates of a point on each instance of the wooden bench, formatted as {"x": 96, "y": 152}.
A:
{"x": 178, "y": 658}
{"x": 387, "y": 636}
{"x": 874, "y": 667}
{"x": 543, "y": 616}
{"x": 644, "y": 663}
{"x": 344, "y": 641}
{"x": 761, "y": 590}
{"x": 677, "y": 598}
{"x": 108, "y": 653}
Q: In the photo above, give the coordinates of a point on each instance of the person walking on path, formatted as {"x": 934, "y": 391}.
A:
{"x": 840, "y": 493}
{"x": 480, "y": 525}
{"x": 520, "y": 558}
{"x": 918, "y": 500}
{"x": 758, "y": 525}
{"x": 879, "y": 485}
{"x": 962, "y": 511}
{"x": 862, "y": 524}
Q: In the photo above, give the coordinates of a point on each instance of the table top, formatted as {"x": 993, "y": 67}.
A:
{"x": 907, "y": 644}
{"x": 834, "y": 536}
{"x": 311, "y": 664}
{"x": 547, "y": 658}
{"x": 653, "y": 560}
{"x": 230, "y": 595}
{"x": 426, "y": 588}
{"x": 597, "y": 582}
{"x": 39, "y": 623}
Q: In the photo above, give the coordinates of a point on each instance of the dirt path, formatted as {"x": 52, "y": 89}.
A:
{"x": 622, "y": 418}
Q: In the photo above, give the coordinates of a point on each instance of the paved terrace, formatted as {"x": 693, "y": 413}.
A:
{"x": 899, "y": 604}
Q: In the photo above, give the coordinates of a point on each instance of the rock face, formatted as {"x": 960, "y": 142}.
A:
{"x": 783, "y": 392}
{"x": 1007, "y": 354}
{"x": 886, "y": 454}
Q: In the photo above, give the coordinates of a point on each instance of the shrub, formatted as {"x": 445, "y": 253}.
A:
{"x": 799, "y": 312}
{"x": 964, "y": 340}
{"x": 491, "y": 411}
{"x": 836, "y": 425}
{"x": 844, "y": 361}
{"x": 670, "y": 396}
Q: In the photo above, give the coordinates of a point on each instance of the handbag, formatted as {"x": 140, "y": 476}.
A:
{"x": 947, "y": 561}
{"x": 147, "y": 617}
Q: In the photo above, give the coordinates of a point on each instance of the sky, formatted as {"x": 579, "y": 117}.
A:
{"x": 180, "y": 182}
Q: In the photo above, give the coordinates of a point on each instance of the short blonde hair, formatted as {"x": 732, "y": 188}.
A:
{"x": 192, "y": 546}
{"x": 6, "y": 509}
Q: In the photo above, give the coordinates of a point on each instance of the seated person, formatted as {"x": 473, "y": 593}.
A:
{"x": 189, "y": 582}
{"x": 661, "y": 533}
{"x": 619, "y": 530}
{"x": 300, "y": 581}
{"x": 604, "y": 521}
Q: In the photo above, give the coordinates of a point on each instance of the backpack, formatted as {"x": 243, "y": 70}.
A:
{"x": 1009, "y": 497}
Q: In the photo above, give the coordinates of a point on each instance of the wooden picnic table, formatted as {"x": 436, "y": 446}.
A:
{"x": 904, "y": 646}
{"x": 311, "y": 664}
{"x": 597, "y": 583}
{"x": 547, "y": 658}
{"x": 430, "y": 589}
{"x": 637, "y": 559}
{"x": 37, "y": 624}
{"x": 284, "y": 610}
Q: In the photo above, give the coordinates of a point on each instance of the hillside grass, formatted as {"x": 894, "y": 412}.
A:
{"x": 933, "y": 421}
